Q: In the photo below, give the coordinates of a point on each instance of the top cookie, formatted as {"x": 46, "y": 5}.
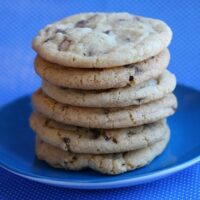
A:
{"x": 102, "y": 40}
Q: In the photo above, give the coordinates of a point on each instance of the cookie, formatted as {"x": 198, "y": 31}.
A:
{"x": 96, "y": 141}
{"x": 102, "y": 40}
{"x": 96, "y": 79}
{"x": 131, "y": 95}
{"x": 106, "y": 118}
{"x": 105, "y": 163}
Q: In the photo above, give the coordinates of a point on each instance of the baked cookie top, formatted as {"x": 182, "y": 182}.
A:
{"x": 102, "y": 40}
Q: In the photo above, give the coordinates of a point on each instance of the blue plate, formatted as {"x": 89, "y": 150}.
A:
{"x": 17, "y": 148}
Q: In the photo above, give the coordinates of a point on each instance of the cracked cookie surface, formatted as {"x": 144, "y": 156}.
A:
{"x": 102, "y": 40}
{"x": 96, "y": 141}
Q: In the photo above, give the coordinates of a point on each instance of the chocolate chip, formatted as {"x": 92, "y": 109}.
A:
{"x": 130, "y": 133}
{"x": 114, "y": 140}
{"x": 50, "y": 124}
{"x": 95, "y": 133}
{"x": 106, "y": 137}
{"x": 137, "y": 70}
{"x": 74, "y": 158}
{"x": 139, "y": 100}
{"x": 107, "y": 32}
{"x": 121, "y": 20}
{"x": 60, "y": 31}
{"x": 90, "y": 53}
{"x": 92, "y": 17}
{"x": 127, "y": 39}
{"x": 46, "y": 123}
{"x": 47, "y": 29}
{"x": 81, "y": 23}
{"x": 137, "y": 18}
{"x": 130, "y": 78}
{"x": 106, "y": 111}
{"x": 64, "y": 45}
{"x": 67, "y": 142}
{"x": 48, "y": 39}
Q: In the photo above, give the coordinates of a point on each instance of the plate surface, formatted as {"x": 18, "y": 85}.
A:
{"x": 17, "y": 148}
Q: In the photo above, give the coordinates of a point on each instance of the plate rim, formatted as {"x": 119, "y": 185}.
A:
{"x": 140, "y": 179}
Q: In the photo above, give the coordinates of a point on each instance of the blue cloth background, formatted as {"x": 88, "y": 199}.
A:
{"x": 19, "y": 22}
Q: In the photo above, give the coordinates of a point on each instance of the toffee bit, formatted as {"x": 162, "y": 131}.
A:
{"x": 64, "y": 45}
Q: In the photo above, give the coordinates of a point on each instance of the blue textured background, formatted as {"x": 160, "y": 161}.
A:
{"x": 19, "y": 22}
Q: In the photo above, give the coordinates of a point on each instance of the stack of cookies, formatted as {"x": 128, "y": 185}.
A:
{"x": 105, "y": 93}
